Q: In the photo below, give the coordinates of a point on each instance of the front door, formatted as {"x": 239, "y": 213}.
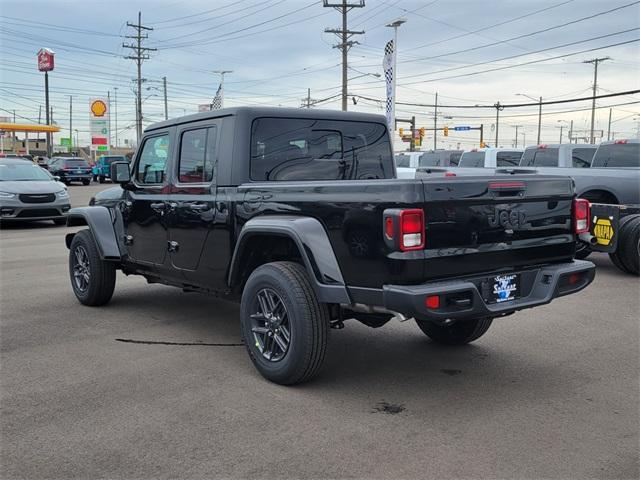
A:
{"x": 146, "y": 205}
{"x": 193, "y": 206}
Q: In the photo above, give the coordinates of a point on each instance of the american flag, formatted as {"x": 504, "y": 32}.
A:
{"x": 216, "y": 103}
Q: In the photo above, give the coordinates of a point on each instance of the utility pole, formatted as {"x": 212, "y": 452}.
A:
{"x": 70, "y": 123}
{"x": 595, "y": 62}
{"x": 139, "y": 56}
{"x": 115, "y": 101}
{"x": 517, "y": 127}
{"x": 561, "y": 127}
{"x": 609, "y": 127}
{"x": 539, "y": 120}
{"x": 571, "y": 133}
{"x": 498, "y": 107}
{"x": 308, "y": 98}
{"x": 166, "y": 108}
{"x": 435, "y": 122}
{"x": 345, "y": 35}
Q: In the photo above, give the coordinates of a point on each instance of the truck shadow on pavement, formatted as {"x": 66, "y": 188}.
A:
{"x": 377, "y": 365}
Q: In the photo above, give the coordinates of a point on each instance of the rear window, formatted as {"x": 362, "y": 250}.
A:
{"x": 403, "y": 161}
{"x": 76, "y": 163}
{"x": 430, "y": 160}
{"x": 454, "y": 158}
{"x": 472, "y": 159}
{"x": 310, "y": 149}
{"x": 540, "y": 157}
{"x": 508, "y": 159}
{"x": 581, "y": 157}
{"x": 617, "y": 155}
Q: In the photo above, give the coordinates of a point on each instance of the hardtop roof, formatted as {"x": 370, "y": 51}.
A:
{"x": 255, "y": 112}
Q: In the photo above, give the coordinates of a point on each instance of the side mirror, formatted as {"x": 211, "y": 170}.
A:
{"x": 120, "y": 172}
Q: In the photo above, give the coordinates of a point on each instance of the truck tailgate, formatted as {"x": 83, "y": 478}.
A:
{"x": 476, "y": 224}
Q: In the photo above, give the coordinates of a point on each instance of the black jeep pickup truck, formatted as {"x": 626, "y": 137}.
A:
{"x": 297, "y": 214}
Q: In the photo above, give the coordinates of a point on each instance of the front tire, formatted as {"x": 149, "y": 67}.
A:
{"x": 86, "y": 182}
{"x": 92, "y": 279}
{"x": 456, "y": 333}
{"x": 284, "y": 327}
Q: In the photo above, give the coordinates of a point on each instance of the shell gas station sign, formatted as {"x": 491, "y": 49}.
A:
{"x": 99, "y": 124}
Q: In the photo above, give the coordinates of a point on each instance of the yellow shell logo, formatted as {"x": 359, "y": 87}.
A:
{"x": 98, "y": 108}
{"x": 603, "y": 231}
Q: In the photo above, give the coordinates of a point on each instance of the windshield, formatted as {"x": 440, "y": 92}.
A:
{"x": 109, "y": 160}
{"x": 430, "y": 160}
{"x": 617, "y": 155}
{"x": 403, "y": 161}
{"x": 75, "y": 163}
{"x": 540, "y": 157}
{"x": 23, "y": 172}
{"x": 472, "y": 159}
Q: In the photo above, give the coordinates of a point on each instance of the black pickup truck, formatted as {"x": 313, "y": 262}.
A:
{"x": 297, "y": 215}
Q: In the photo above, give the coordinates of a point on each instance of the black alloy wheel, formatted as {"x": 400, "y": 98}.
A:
{"x": 270, "y": 325}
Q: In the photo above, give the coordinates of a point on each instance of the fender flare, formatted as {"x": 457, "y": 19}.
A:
{"x": 100, "y": 223}
{"x": 313, "y": 243}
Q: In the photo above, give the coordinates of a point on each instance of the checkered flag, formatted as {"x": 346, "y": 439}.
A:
{"x": 387, "y": 65}
{"x": 216, "y": 103}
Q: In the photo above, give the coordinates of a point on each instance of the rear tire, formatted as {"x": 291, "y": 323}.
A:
{"x": 618, "y": 258}
{"x": 457, "y": 333}
{"x": 630, "y": 248}
{"x": 92, "y": 279}
{"x": 278, "y": 301}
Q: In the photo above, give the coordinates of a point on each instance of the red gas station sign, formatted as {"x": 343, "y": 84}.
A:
{"x": 45, "y": 60}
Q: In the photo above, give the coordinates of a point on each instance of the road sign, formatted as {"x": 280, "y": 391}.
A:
{"x": 463, "y": 128}
{"x": 45, "y": 60}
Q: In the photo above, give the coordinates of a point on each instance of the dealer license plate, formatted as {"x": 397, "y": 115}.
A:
{"x": 504, "y": 288}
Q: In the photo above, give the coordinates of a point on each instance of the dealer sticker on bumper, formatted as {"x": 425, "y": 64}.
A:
{"x": 505, "y": 287}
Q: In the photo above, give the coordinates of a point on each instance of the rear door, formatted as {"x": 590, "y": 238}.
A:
{"x": 193, "y": 201}
{"x": 146, "y": 202}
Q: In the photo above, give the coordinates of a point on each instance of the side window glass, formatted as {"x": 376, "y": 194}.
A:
{"x": 152, "y": 164}
{"x": 197, "y": 155}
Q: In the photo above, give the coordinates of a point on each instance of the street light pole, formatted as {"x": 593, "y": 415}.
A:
{"x": 115, "y": 104}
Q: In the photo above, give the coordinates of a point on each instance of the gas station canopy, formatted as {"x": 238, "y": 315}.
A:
{"x": 18, "y": 127}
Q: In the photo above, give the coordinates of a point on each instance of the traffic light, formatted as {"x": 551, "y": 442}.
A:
{"x": 445, "y": 131}
{"x": 401, "y": 131}
{"x": 422, "y": 131}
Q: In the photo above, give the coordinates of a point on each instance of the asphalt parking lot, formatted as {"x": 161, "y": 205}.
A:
{"x": 547, "y": 393}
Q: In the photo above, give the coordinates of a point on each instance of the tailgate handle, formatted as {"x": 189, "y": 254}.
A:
{"x": 507, "y": 188}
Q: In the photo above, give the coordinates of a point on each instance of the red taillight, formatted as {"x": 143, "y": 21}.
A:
{"x": 411, "y": 229}
{"x": 505, "y": 185}
{"x": 621, "y": 142}
{"x": 581, "y": 214}
{"x": 543, "y": 146}
{"x": 449, "y": 174}
{"x": 432, "y": 301}
{"x": 388, "y": 228}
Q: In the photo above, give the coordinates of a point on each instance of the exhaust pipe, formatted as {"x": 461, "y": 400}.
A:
{"x": 588, "y": 238}
{"x": 362, "y": 308}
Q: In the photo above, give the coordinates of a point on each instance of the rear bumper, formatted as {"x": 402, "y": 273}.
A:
{"x": 538, "y": 287}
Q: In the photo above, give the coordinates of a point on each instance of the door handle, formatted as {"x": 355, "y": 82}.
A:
{"x": 199, "y": 206}
{"x": 158, "y": 206}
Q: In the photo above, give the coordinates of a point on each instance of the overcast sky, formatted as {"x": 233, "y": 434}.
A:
{"x": 277, "y": 49}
